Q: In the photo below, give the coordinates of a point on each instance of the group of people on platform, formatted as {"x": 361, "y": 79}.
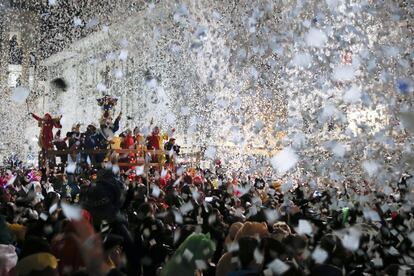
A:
{"x": 81, "y": 144}
{"x": 195, "y": 221}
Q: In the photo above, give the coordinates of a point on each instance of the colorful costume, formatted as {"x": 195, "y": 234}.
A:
{"x": 140, "y": 144}
{"x": 156, "y": 142}
{"x": 105, "y": 133}
{"x": 47, "y": 123}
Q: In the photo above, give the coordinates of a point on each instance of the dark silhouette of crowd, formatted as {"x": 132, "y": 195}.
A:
{"x": 192, "y": 221}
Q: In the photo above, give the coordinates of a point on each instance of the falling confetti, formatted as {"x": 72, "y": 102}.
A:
{"x": 71, "y": 212}
{"x": 278, "y": 267}
{"x": 319, "y": 255}
{"x": 343, "y": 73}
{"x": 284, "y": 160}
{"x": 304, "y": 227}
{"x": 316, "y": 38}
{"x": 20, "y": 94}
{"x": 139, "y": 170}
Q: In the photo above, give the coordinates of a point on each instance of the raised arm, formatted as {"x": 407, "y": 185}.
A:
{"x": 36, "y": 117}
{"x": 116, "y": 123}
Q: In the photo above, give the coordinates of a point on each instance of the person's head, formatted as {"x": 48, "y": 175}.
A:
{"x": 295, "y": 245}
{"x": 252, "y": 229}
{"x": 156, "y": 130}
{"x": 137, "y": 131}
{"x": 246, "y": 252}
{"x": 76, "y": 127}
{"x": 146, "y": 210}
{"x": 36, "y": 258}
{"x": 106, "y": 122}
{"x": 172, "y": 141}
{"x": 91, "y": 129}
{"x": 281, "y": 230}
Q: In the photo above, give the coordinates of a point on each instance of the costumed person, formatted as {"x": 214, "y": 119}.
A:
{"x": 46, "y": 124}
{"x": 74, "y": 135}
{"x": 90, "y": 141}
{"x": 60, "y": 144}
{"x": 155, "y": 142}
{"x": 128, "y": 143}
{"x": 105, "y": 134}
{"x": 172, "y": 150}
{"x": 139, "y": 142}
{"x": 107, "y": 128}
{"x": 117, "y": 143}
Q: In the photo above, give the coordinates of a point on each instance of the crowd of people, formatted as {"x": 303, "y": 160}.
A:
{"x": 93, "y": 217}
{"x": 199, "y": 222}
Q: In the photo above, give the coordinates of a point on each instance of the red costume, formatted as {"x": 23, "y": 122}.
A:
{"x": 129, "y": 143}
{"x": 154, "y": 141}
{"x": 46, "y": 124}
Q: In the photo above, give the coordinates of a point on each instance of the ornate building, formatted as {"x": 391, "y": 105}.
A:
{"x": 238, "y": 78}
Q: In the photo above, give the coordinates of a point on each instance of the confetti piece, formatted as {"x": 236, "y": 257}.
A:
{"x": 371, "y": 167}
{"x": 139, "y": 170}
{"x": 77, "y": 22}
{"x": 155, "y": 191}
{"x": 123, "y": 55}
{"x": 200, "y": 264}
{"x": 285, "y": 160}
{"x": 188, "y": 255}
{"x": 351, "y": 240}
{"x": 343, "y": 73}
{"x": 101, "y": 87}
{"x": 20, "y": 94}
{"x": 71, "y": 168}
{"x": 187, "y": 207}
{"x": 271, "y": 216}
{"x": 352, "y": 95}
{"x": 278, "y": 267}
{"x": 319, "y": 255}
{"x": 302, "y": 60}
{"x": 180, "y": 171}
{"x": 304, "y": 227}
{"x": 316, "y": 38}
{"x": 53, "y": 208}
{"x": 210, "y": 152}
{"x": 43, "y": 216}
{"x": 339, "y": 150}
{"x": 258, "y": 256}
{"x": 71, "y": 212}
